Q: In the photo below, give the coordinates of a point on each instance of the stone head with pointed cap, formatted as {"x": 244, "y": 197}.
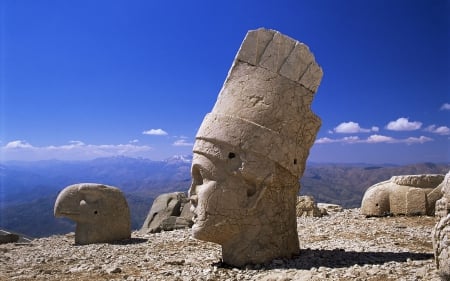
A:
{"x": 100, "y": 211}
{"x": 251, "y": 150}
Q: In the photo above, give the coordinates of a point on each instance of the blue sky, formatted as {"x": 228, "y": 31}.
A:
{"x": 84, "y": 79}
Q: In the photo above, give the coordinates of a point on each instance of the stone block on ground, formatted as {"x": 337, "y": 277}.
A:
{"x": 403, "y": 195}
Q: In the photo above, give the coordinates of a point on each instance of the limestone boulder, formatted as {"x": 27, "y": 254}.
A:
{"x": 307, "y": 207}
{"x": 100, "y": 211}
{"x": 403, "y": 195}
{"x": 441, "y": 232}
{"x": 169, "y": 211}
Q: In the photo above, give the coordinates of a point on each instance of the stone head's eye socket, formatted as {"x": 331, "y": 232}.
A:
{"x": 95, "y": 212}
{"x": 197, "y": 178}
{"x": 295, "y": 161}
{"x": 231, "y": 155}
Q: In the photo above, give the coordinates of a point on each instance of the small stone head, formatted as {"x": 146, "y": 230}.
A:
{"x": 251, "y": 150}
{"x": 100, "y": 211}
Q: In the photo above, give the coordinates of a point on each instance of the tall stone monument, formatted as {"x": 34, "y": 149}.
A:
{"x": 251, "y": 150}
{"x": 100, "y": 211}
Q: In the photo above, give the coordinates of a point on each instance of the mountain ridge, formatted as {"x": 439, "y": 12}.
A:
{"x": 28, "y": 189}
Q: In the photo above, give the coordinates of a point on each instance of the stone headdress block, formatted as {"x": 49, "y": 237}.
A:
{"x": 264, "y": 104}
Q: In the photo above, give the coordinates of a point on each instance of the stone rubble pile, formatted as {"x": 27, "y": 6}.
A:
{"x": 342, "y": 246}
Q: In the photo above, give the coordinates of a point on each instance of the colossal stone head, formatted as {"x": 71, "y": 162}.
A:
{"x": 251, "y": 150}
{"x": 100, "y": 211}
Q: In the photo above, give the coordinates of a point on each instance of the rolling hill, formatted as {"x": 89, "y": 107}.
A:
{"x": 28, "y": 189}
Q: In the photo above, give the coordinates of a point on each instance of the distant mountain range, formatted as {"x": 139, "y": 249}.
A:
{"x": 28, "y": 189}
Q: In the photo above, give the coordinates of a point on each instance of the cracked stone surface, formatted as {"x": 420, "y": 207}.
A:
{"x": 251, "y": 150}
{"x": 342, "y": 246}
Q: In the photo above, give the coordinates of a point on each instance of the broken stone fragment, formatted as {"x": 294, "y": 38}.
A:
{"x": 403, "y": 195}
{"x": 169, "y": 211}
{"x": 307, "y": 207}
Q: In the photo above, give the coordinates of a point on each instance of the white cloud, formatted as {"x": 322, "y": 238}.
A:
{"x": 442, "y": 130}
{"x": 18, "y": 144}
{"x": 155, "y": 132}
{"x": 374, "y": 139}
{"x": 379, "y": 138}
{"x": 420, "y": 139}
{"x": 445, "y": 106}
{"x": 134, "y": 141}
{"x": 352, "y": 139}
{"x": 325, "y": 140}
{"x": 182, "y": 142}
{"x": 403, "y": 124}
{"x": 74, "y": 150}
{"x": 352, "y": 127}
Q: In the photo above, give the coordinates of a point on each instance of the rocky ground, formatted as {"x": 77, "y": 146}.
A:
{"x": 341, "y": 246}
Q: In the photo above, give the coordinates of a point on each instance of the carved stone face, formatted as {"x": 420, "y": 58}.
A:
{"x": 242, "y": 201}
{"x": 226, "y": 187}
{"x": 218, "y": 197}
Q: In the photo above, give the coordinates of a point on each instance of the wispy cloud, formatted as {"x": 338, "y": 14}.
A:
{"x": 403, "y": 124}
{"x": 374, "y": 139}
{"x": 155, "y": 132}
{"x": 442, "y": 130}
{"x": 74, "y": 150}
{"x": 445, "y": 106}
{"x": 352, "y": 139}
{"x": 182, "y": 142}
{"x": 353, "y": 127}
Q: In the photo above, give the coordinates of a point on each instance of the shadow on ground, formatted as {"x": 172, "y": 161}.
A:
{"x": 337, "y": 258}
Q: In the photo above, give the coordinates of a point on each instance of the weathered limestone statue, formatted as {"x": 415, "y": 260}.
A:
{"x": 403, "y": 195}
{"x": 100, "y": 211}
{"x": 441, "y": 232}
{"x": 251, "y": 150}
